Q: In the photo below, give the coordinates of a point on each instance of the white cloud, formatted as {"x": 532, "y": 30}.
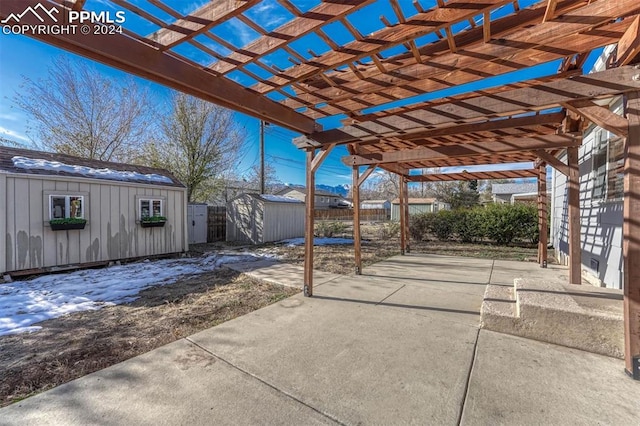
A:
{"x": 9, "y": 116}
{"x": 242, "y": 32}
{"x": 4, "y": 132}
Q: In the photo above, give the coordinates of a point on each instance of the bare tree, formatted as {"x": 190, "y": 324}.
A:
{"x": 199, "y": 143}
{"x": 78, "y": 111}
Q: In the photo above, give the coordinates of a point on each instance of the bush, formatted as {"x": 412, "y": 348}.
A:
{"x": 505, "y": 223}
{"x": 329, "y": 229}
{"x": 468, "y": 225}
{"x": 441, "y": 224}
{"x": 390, "y": 230}
{"x": 419, "y": 226}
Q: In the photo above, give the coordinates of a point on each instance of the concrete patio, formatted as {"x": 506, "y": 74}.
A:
{"x": 400, "y": 344}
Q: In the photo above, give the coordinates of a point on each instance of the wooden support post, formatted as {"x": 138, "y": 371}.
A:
{"x": 309, "y": 225}
{"x": 407, "y": 247}
{"x": 356, "y": 219}
{"x": 401, "y": 201}
{"x": 543, "y": 230}
{"x": 631, "y": 239}
{"x": 575, "y": 258}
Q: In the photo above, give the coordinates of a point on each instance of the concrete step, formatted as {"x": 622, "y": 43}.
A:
{"x": 581, "y": 317}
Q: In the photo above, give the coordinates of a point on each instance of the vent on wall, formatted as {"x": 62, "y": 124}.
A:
{"x": 595, "y": 265}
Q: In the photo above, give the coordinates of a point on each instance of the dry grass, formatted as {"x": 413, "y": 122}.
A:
{"x": 78, "y": 344}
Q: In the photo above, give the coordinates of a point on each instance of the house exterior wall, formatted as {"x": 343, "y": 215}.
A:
{"x": 600, "y": 219}
{"x": 367, "y": 205}
{"x": 255, "y": 221}
{"x": 502, "y": 198}
{"x": 321, "y": 201}
{"x": 112, "y": 231}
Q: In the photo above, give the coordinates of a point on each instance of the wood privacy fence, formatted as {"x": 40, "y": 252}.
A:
{"x": 347, "y": 214}
{"x": 216, "y": 223}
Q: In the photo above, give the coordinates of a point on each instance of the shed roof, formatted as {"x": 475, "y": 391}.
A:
{"x": 417, "y": 201}
{"x": 25, "y": 161}
{"x": 374, "y": 201}
{"x": 514, "y": 188}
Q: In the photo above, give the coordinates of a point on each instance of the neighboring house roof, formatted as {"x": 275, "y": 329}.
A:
{"x": 513, "y": 188}
{"x": 303, "y": 189}
{"x": 374, "y": 201}
{"x": 25, "y": 161}
{"x": 417, "y": 201}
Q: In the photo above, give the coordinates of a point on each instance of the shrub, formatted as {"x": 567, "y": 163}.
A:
{"x": 441, "y": 224}
{"x": 505, "y": 222}
{"x": 419, "y": 225}
{"x": 468, "y": 225}
{"x": 390, "y": 230}
{"x": 329, "y": 229}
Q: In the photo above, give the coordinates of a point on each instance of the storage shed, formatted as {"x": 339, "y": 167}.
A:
{"x": 58, "y": 210}
{"x": 418, "y": 205}
{"x": 263, "y": 218}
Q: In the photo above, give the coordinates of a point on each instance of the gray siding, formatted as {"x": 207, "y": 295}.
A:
{"x": 413, "y": 209}
{"x": 112, "y": 231}
{"x": 253, "y": 220}
{"x": 600, "y": 220}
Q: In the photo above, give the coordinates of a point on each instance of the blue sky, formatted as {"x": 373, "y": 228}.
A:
{"x": 21, "y": 56}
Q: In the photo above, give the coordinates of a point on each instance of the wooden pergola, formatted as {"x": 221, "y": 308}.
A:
{"x": 385, "y": 85}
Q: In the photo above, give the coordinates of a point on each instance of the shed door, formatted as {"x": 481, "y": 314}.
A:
{"x": 197, "y": 223}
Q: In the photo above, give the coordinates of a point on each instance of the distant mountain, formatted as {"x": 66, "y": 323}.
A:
{"x": 338, "y": 189}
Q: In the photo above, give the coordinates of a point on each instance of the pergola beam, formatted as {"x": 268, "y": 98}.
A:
{"x": 602, "y": 84}
{"x": 200, "y": 20}
{"x": 143, "y": 60}
{"x": 465, "y": 150}
{"x": 520, "y": 47}
{"x": 323, "y": 14}
{"x": 464, "y": 176}
{"x": 600, "y": 116}
{"x": 421, "y": 24}
{"x": 553, "y": 161}
{"x": 551, "y": 119}
{"x": 629, "y": 44}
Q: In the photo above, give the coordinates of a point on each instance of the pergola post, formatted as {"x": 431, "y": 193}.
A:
{"x": 575, "y": 251}
{"x": 313, "y": 162}
{"x": 543, "y": 230}
{"x": 309, "y": 224}
{"x": 407, "y": 246}
{"x": 401, "y": 201}
{"x": 631, "y": 239}
{"x": 356, "y": 219}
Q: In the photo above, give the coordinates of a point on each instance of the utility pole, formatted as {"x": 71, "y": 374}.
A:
{"x": 262, "y": 186}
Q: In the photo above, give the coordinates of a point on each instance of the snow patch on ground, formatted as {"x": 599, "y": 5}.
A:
{"x": 24, "y": 303}
{"x": 317, "y": 241}
{"x": 56, "y": 166}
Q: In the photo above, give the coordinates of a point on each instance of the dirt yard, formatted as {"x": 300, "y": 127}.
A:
{"x": 80, "y": 343}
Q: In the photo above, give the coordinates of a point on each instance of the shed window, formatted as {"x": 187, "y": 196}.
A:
{"x": 151, "y": 207}
{"x": 65, "y": 206}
